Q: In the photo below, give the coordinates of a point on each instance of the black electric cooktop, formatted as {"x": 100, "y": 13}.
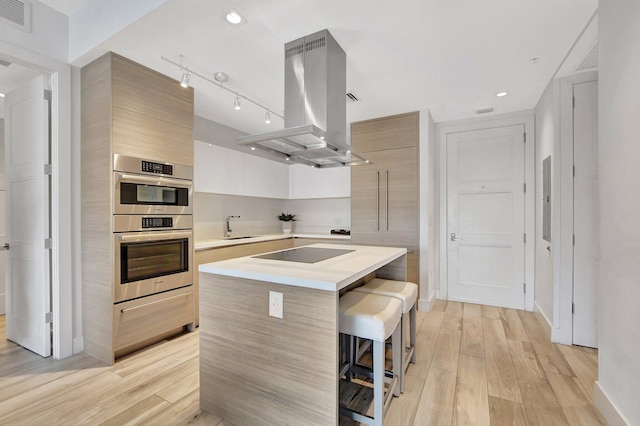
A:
{"x": 304, "y": 254}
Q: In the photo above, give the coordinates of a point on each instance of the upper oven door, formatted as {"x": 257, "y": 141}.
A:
{"x": 143, "y": 194}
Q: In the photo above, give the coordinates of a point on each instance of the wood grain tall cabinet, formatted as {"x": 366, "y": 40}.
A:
{"x": 385, "y": 195}
{"x": 130, "y": 110}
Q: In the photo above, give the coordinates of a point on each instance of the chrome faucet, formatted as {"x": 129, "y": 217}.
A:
{"x": 229, "y": 226}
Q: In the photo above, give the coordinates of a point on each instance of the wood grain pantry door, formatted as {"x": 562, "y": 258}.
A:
{"x": 29, "y": 261}
{"x": 485, "y": 216}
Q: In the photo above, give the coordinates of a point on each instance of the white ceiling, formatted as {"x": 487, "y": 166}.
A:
{"x": 448, "y": 56}
{"x": 67, "y": 7}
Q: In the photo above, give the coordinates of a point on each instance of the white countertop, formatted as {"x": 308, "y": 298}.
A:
{"x": 204, "y": 245}
{"x": 331, "y": 274}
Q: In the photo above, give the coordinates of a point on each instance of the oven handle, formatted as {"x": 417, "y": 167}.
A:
{"x": 152, "y": 303}
{"x": 145, "y": 180}
{"x": 137, "y": 236}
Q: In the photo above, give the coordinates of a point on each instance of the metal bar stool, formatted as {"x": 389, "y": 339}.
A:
{"x": 373, "y": 317}
{"x": 407, "y": 293}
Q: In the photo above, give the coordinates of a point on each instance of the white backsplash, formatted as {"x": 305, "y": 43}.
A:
{"x": 321, "y": 215}
{"x": 258, "y": 216}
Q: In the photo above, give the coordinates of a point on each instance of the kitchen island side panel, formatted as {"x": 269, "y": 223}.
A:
{"x": 256, "y": 369}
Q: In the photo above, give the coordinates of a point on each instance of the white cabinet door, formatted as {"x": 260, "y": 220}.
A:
{"x": 265, "y": 178}
{"x": 220, "y": 170}
{"x": 485, "y": 216}
{"x": 217, "y": 170}
{"x": 28, "y": 262}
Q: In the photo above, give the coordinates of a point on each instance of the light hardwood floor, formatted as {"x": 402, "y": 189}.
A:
{"x": 476, "y": 365}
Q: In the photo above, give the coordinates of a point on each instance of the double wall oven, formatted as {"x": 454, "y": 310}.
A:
{"x": 153, "y": 227}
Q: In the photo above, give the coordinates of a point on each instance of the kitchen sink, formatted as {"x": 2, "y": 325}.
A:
{"x": 240, "y": 238}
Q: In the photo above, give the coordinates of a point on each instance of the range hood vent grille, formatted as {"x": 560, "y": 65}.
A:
{"x": 314, "y": 44}
{"x": 315, "y": 110}
{"x": 294, "y": 50}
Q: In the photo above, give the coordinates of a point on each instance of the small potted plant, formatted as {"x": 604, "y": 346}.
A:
{"x": 287, "y": 220}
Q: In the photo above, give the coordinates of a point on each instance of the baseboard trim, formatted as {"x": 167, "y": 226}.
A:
{"x": 542, "y": 319}
{"x": 606, "y": 407}
{"x": 425, "y": 305}
{"x": 78, "y": 345}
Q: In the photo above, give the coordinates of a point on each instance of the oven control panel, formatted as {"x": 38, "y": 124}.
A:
{"x": 159, "y": 168}
{"x": 157, "y": 222}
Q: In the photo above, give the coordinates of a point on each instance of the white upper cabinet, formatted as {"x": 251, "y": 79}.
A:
{"x": 265, "y": 178}
{"x": 307, "y": 182}
{"x": 225, "y": 171}
{"x": 217, "y": 170}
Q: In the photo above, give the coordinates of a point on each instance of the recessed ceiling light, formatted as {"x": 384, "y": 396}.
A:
{"x": 502, "y": 94}
{"x": 234, "y": 18}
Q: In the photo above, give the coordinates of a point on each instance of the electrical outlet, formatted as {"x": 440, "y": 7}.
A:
{"x": 276, "y": 304}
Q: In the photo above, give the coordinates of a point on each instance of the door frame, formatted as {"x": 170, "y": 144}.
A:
{"x": 63, "y": 268}
{"x": 524, "y": 118}
{"x": 563, "y": 214}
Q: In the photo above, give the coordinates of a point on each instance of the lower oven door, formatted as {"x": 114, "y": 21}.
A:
{"x": 151, "y": 262}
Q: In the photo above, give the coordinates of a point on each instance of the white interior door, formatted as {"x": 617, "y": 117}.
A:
{"x": 28, "y": 266}
{"x": 485, "y": 216}
{"x": 3, "y": 227}
{"x": 585, "y": 208}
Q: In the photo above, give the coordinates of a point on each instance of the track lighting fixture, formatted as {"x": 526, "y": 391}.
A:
{"x": 184, "y": 82}
{"x": 219, "y": 79}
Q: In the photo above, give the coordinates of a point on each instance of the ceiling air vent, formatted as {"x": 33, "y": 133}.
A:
{"x": 17, "y": 13}
{"x": 484, "y": 110}
{"x": 352, "y": 97}
{"x": 590, "y": 61}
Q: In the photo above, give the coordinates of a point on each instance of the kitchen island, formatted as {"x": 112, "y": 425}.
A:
{"x": 258, "y": 369}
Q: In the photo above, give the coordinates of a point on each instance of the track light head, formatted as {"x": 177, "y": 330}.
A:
{"x": 185, "y": 79}
{"x": 267, "y": 118}
{"x": 237, "y": 104}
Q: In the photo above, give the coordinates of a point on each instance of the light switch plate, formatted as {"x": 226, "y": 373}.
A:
{"x": 276, "y": 304}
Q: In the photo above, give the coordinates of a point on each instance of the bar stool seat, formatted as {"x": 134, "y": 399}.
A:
{"x": 406, "y": 292}
{"x": 374, "y": 317}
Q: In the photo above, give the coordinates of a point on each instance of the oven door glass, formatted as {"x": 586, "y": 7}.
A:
{"x": 150, "y": 259}
{"x": 136, "y": 193}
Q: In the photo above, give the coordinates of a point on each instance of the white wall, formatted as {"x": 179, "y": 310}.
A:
{"x": 49, "y": 34}
{"x": 428, "y": 218}
{"x": 619, "y": 110}
{"x": 547, "y": 127}
{"x": 97, "y": 20}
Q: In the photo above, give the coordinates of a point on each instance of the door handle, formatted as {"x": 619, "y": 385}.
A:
{"x": 454, "y": 238}
{"x": 5, "y": 246}
{"x": 386, "y": 200}
{"x": 378, "y": 198}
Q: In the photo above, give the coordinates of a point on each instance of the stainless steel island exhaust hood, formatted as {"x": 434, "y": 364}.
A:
{"x": 315, "y": 110}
